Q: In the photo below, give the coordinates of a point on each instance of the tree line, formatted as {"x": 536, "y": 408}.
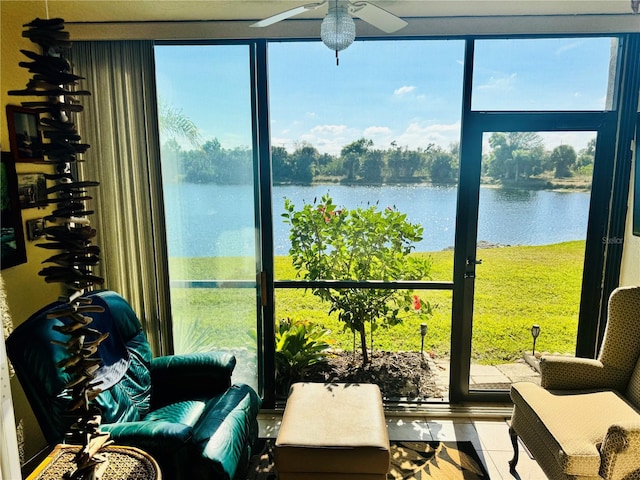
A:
{"x": 512, "y": 157}
{"x": 517, "y": 156}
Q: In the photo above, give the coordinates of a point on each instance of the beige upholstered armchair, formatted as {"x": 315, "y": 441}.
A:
{"x": 583, "y": 422}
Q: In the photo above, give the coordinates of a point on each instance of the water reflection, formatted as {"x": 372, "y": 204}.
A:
{"x": 212, "y": 220}
{"x": 511, "y": 195}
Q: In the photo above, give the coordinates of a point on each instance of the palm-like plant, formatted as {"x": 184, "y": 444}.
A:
{"x": 174, "y": 123}
{"x": 299, "y": 345}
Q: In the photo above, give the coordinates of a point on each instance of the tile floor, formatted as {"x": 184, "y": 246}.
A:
{"x": 489, "y": 436}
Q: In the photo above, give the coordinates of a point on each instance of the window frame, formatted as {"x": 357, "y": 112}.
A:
{"x": 610, "y": 194}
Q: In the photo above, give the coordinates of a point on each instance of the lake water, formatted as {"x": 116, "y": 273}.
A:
{"x": 212, "y": 220}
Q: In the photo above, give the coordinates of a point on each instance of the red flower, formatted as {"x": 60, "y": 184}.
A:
{"x": 416, "y": 302}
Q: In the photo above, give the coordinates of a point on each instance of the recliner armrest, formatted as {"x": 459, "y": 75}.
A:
{"x": 558, "y": 372}
{"x": 149, "y": 435}
{"x": 188, "y": 376}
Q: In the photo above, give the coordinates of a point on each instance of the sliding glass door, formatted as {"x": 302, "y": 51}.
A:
{"x": 204, "y": 96}
{"x": 530, "y": 250}
{"x": 536, "y": 179}
{"x": 379, "y": 133}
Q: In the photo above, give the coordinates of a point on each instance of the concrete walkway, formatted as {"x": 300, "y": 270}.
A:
{"x": 502, "y": 376}
{"x": 487, "y": 377}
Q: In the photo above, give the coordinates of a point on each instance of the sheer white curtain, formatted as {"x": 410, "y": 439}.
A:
{"x": 120, "y": 123}
{"x": 9, "y": 456}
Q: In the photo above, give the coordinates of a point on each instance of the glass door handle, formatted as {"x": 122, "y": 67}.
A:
{"x": 472, "y": 262}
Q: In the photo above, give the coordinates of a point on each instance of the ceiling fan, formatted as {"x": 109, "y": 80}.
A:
{"x": 338, "y": 29}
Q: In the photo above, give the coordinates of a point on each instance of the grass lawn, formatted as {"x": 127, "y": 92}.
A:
{"x": 515, "y": 288}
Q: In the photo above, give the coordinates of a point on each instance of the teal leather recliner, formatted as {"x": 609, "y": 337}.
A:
{"x": 181, "y": 409}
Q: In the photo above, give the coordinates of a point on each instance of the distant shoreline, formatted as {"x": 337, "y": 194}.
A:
{"x": 482, "y": 244}
{"x": 560, "y": 185}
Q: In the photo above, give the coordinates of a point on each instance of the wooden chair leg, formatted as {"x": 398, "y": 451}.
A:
{"x": 514, "y": 441}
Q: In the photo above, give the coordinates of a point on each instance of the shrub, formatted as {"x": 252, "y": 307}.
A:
{"x": 299, "y": 345}
{"x": 328, "y": 243}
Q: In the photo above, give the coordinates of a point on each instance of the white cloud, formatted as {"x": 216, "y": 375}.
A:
{"x": 381, "y": 136}
{"x": 327, "y": 138}
{"x": 332, "y": 138}
{"x": 568, "y": 46}
{"x": 420, "y": 135}
{"x": 374, "y": 131}
{"x": 399, "y": 92}
{"x": 499, "y": 83}
{"x": 331, "y": 144}
{"x": 578, "y": 140}
{"x": 329, "y": 129}
{"x": 282, "y": 142}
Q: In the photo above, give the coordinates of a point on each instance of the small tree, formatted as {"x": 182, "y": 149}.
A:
{"x": 361, "y": 244}
{"x": 564, "y": 158}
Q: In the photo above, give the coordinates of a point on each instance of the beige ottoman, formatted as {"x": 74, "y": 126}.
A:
{"x": 333, "y": 431}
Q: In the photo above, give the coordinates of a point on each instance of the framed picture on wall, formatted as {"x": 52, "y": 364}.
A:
{"x": 12, "y": 247}
{"x": 32, "y": 190}
{"x": 25, "y": 138}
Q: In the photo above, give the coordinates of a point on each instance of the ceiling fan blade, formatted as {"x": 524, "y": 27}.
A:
{"x": 378, "y": 17}
{"x": 287, "y": 14}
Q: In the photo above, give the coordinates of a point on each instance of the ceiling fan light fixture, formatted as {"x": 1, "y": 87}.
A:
{"x": 338, "y": 30}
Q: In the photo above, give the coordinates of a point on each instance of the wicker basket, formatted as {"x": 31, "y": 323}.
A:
{"x": 125, "y": 463}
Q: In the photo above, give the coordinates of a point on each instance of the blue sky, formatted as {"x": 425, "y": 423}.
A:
{"x": 404, "y": 91}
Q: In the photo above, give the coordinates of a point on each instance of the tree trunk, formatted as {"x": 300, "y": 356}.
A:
{"x": 363, "y": 344}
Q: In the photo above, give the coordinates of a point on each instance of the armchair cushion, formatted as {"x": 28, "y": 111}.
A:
{"x": 169, "y": 436}
{"x": 572, "y": 427}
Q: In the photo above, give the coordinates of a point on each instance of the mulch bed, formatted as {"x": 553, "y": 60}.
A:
{"x": 400, "y": 375}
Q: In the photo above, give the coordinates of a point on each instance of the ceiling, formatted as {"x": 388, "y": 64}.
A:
{"x": 187, "y": 10}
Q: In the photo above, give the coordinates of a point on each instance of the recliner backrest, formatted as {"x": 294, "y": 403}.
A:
{"x": 127, "y": 396}
{"x": 125, "y": 355}
{"x": 633, "y": 389}
{"x": 620, "y": 350}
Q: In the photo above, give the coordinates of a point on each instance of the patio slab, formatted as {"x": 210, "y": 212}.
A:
{"x": 486, "y": 376}
{"x": 519, "y": 372}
